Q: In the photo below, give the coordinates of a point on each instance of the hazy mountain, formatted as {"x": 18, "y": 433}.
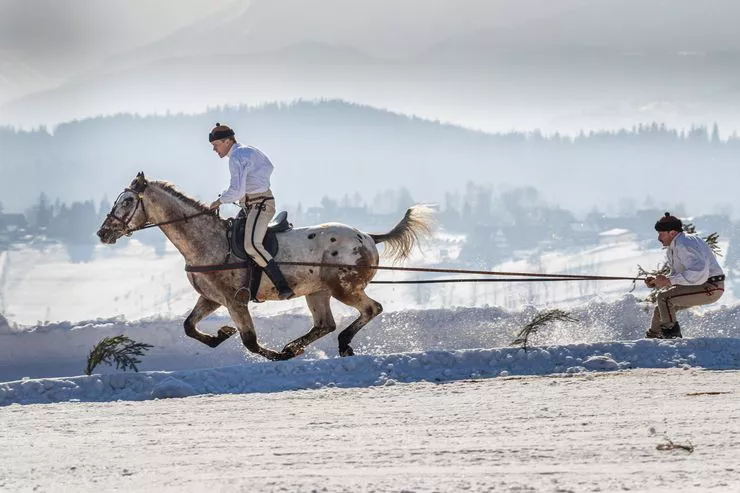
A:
{"x": 493, "y": 65}
{"x": 383, "y": 28}
{"x": 190, "y": 84}
{"x": 598, "y": 27}
{"x": 45, "y": 42}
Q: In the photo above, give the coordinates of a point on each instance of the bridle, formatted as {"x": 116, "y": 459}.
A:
{"x": 139, "y": 194}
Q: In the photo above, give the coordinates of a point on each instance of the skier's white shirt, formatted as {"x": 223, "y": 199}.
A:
{"x": 691, "y": 261}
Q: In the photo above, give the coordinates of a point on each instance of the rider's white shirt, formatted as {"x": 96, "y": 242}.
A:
{"x": 250, "y": 172}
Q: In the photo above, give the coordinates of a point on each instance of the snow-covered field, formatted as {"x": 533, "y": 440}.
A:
{"x": 581, "y": 432}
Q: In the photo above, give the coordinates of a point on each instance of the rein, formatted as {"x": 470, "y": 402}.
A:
{"x": 152, "y": 225}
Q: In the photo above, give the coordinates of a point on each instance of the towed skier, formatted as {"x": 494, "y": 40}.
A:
{"x": 695, "y": 277}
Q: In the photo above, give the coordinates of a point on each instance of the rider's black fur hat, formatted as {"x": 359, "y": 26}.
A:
{"x": 669, "y": 223}
{"x": 220, "y": 132}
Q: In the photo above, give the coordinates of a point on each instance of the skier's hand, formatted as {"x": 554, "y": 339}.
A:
{"x": 650, "y": 281}
{"x": 661, "y": 281}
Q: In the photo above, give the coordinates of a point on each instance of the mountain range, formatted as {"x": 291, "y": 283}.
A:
{"x": 334, "y": 148}
{"x": 492, "y": 65}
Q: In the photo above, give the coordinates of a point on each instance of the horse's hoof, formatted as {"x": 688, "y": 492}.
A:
{"x": 293, "y": 350}
{"x": 346, "y": 351}
{"x": 283, "y": 356}
{"x": 225, "y": 332}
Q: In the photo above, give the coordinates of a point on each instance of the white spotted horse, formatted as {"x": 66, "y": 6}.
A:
{"x": 202, "y": 237}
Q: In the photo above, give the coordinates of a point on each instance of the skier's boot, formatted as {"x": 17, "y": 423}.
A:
{"x": 671, "y": 331}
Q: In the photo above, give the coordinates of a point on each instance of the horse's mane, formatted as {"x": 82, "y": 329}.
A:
{"x": 169, "y": 187}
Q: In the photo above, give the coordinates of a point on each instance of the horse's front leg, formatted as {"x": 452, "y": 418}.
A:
{"x": 202, "y": 309}
{"x": 240, "y": 315}
{"x": 323, "y": 323}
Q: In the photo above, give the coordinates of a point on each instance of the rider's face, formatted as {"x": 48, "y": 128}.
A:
{"x": 221, "y": 147}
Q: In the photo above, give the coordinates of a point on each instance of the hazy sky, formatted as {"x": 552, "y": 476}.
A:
{"x": 42, "y": 29}
{"x": 45, "y": 28}
{"x": 107, "y": 56}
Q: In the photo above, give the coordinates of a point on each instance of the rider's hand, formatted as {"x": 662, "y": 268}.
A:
{"x": 215, "y": 204}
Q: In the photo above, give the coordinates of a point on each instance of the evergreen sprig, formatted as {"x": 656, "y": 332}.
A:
{"x": 540, "y": 320}
{"x": 119, "y": 349}
{"x": 662, "y": 270}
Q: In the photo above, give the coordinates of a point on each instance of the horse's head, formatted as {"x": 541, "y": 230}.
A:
{"x": 127, "y": 214}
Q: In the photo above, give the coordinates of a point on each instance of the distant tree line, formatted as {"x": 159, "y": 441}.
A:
{"x": 495, "y": 224}
{"x": 333, "y": 146}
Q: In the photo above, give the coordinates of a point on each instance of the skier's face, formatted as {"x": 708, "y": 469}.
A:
{"x": 666, "y": 237}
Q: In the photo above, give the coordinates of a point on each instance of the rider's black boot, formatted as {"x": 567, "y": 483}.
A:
{"x": 273, "y": 272}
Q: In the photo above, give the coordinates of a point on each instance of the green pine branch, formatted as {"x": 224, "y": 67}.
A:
{"x": 119, "y": 350}
{"x": 540, "y": 320}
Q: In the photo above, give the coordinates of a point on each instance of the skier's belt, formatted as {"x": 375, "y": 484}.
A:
{"x": 714, "y": 279}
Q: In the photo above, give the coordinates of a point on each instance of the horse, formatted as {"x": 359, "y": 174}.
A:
{"x": 200, "y": 235}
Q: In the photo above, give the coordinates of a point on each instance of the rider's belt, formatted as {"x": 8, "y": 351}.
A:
{"x": 714, "y": 279}
{"x": 254, "y": 197}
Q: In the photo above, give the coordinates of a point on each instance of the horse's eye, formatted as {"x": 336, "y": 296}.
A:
{"x": 127, "y": 201}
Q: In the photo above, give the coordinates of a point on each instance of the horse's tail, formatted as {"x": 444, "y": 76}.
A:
{"x": 416, "y": 224}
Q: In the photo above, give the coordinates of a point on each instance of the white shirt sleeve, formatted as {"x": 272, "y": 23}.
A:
{"x": 238, "y": 183}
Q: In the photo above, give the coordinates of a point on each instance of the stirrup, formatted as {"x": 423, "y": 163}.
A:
{"x": 286, "y": 294}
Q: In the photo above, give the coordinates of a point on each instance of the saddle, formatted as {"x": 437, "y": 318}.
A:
{"x": 235, "y": 235}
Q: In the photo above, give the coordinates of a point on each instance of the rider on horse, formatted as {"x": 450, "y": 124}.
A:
{"x": 250, "y": 186}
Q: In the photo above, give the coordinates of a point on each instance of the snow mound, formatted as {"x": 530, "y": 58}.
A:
{"x": 172, "y": 387}
{"x": 389, "y": 369}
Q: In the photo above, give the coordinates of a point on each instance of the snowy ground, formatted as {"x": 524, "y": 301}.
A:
{"x": 581, "y": 432}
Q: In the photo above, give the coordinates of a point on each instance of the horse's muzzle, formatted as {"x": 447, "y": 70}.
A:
{"x": 107, "y": 236}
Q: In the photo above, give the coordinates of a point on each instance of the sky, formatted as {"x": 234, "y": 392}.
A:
{"x": 479, "y": 64}
{"x": 75, "y": 27}
{"x": 46, "y": 45}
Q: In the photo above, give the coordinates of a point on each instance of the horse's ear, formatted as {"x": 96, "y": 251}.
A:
{"x": 139, "y": 183}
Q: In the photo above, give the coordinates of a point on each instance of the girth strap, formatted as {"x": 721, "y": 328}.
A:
{"x": 217, "y": 267}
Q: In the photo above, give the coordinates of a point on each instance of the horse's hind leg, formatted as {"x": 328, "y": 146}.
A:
{"x": 368, "y": 308}
{"x": 323, "y": 323}
{"x": 240, "y": 315}
{"x": 201, "y": 310}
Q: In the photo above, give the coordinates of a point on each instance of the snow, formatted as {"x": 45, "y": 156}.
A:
{"x": 579, "y": 432}
{"x": 614, "y": 232}
{"x": 43, "y": 365}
